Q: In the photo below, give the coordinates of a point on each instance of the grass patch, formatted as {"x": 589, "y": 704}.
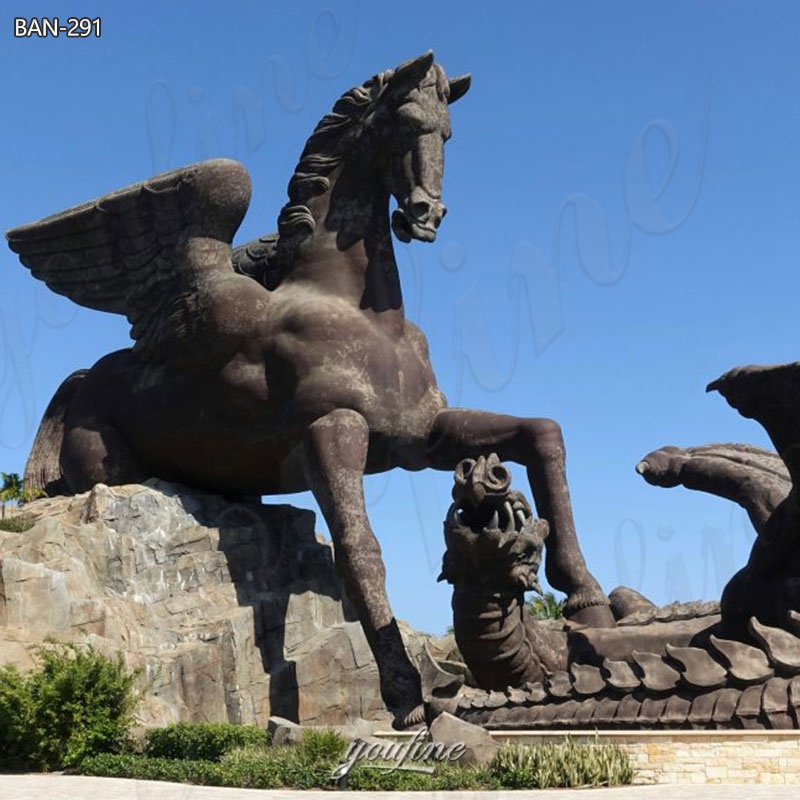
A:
{"x": 17, "y": 524}
{"x": 446, "y": 777}
{"x": 309, "y": 766}
{"x": 564, "y": 765}
{"x": 74, "y": 711}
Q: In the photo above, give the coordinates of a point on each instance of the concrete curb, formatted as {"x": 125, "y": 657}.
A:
{"x": 77, "y": 787}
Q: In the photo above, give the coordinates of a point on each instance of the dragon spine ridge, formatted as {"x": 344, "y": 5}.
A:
{"x": 494, "y": 548}
{"x": 736, "y": 686}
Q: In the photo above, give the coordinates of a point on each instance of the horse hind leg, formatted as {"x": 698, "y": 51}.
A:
{"x": 43, "y": 470}
{"x": 94, "y": 451}
{"x": 335, "y": 456}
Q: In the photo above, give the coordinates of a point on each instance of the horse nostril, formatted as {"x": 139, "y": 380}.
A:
{"x": 442, "y": 215}
{"x": 420, "y": 210}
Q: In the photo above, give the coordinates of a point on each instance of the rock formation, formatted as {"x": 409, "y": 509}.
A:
{"x": 233, "y": 611}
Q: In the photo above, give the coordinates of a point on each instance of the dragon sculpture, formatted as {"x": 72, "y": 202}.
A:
{"x": 685, "y": 665}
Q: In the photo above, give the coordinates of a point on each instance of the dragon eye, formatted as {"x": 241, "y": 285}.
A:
{"x": 499, "y": 474}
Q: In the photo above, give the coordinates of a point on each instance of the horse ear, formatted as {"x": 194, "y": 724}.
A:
{"x": 458, "y": 87}
{"x": 413, "y": 71}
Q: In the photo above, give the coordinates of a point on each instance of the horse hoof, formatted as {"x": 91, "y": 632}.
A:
{"x": 598, "y": 616}
{"x": 662, "y": 467}
{"x": 409, "y": 720}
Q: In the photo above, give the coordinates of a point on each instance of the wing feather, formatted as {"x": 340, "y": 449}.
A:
{"x": 124, "y": 252}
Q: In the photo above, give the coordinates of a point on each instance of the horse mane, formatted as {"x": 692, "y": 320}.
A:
{"x": 322, "y": 154}
{"x": 270, "y": 258}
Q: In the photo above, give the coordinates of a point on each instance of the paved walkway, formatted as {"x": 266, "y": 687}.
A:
{"x": 74, "y": 787}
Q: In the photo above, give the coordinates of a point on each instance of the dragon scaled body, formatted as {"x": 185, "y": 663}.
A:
{"x": 658, "y": 668}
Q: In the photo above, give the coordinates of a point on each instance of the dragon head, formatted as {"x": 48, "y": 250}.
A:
{"x": 492, "y": 538}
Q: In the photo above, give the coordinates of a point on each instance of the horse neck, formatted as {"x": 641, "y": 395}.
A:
{"x": 350, "y": 252}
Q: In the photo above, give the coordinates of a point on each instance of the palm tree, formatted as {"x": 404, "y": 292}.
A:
{"x": 12, "y": 491}
{"x": 547, "y": 606}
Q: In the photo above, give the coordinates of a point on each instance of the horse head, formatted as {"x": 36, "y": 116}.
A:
{"x": 413, "y": 114}
{"x": 386, "y": 135}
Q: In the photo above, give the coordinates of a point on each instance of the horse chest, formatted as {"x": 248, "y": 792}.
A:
{"x": 397, "y": 372}
{"x": 392, "y": 372}
{"x": 387, "y": 378}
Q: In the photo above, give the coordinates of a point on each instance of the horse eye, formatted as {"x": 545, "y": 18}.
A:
{"x": 412, "y": 116}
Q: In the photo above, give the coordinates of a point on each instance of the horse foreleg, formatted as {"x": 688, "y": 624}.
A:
{"x": 335, "y": 455}
{"x": 538, "y": 445}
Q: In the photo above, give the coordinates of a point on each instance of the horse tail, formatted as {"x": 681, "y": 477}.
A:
{"x": 43, "y": 470}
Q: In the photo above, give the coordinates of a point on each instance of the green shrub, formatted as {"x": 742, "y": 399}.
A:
{"x": 246, "y": 767}
{"x": 309, "y": 766}
{"x": 201, "y": 742}
{"x": 15, "y": 716}
{"x": 561, "y": 766}
{"x": 547, "y": 606}
{"x": 257, "y": 768}
{"x": 76, "y": 703}
{"x": 108, "y": 765}
{"x": 17, "y": 524}
{"x": 446, "y": 777}
{"x": 275, "y": 768}
{"x": 322, "y": 745}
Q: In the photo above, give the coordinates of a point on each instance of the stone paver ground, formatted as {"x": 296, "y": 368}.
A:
{"x": 73, "y": 787}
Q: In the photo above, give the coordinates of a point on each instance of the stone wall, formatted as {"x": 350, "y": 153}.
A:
{"x": 686, "y": 757}
{"x": 696, "y": 757}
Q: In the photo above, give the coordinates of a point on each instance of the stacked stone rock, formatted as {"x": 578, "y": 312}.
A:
{"x": 234, "y": 611}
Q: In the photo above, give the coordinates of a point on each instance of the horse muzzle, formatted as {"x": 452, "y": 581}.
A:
{"x": 418, "y": 219}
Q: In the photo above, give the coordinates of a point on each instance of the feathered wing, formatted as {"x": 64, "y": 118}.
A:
{"x": 146, "y": 251}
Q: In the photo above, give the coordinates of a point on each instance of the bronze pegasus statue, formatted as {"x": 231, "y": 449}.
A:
{"x": 287, "y": 363}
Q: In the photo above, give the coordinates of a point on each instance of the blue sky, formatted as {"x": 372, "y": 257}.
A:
{"x": 622, "y": 228}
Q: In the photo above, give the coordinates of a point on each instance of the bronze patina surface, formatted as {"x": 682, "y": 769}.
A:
{"x": 286, "y": 364}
